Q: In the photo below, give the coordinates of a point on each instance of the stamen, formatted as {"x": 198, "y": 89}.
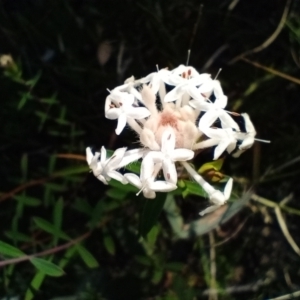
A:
{"x": 157, "y": 68}
{"x": 263, "y": 141}
{"x": 183, "y": 75}
{"x": 218, "y": 73}
{"x": 188, "y": 57}
{"x": 108, "y": 90}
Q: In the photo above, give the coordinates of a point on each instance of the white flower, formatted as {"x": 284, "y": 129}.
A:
{"x": 146, "y": 184}
{"x": 215, "y": 196}
{"x": 119, "y": 105}
{"x": 167, "y": 156}
{"x": 105, "y": 169}
{"x": 185, "y": 79}
{"x": 155, "y": 79}
{"x": 165, "y": 124}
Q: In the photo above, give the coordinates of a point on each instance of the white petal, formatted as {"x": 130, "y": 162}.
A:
{"x": 221, "y": 101}
{"x": 117, "y": 176}
{"x": 103, "y": 155}
{"x": 121, "y": 123}
{"x": 173, "y": 95}
{"x": 101, "y": 178}
{"x": 113, "y": 113}
{"x": 131, "y": 156}
{"x": 209, "y": 210}
{"x": 134, "y": 180}
{"x": 220, "y": 149}
{"x": 182, "y": 154}
{"x": 200, "y": 79}
{"x": 148, "y": 193}
{"x": 217, "y": 198}
{"x": 228, "y": 188}
{"x": 169, "y": 170}
{"x": 227, "y": 121}
{"x": 248, "y": 124}
{"x": 116, "y": 158}
{"x": 207, "y": 120}
{"x": 89, "y": 155}
{"x": 162, "y": 186}
{"x": 147, "y": 168}
{"x": 247, "y": 143}
{"x": 138, "y": 112}
{"x": 168, "y": 141}
{"x": 194, "y": 92}
{"x": 206, "y": 87}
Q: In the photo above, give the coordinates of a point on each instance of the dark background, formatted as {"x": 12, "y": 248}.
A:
{"x": 81, "y": 48}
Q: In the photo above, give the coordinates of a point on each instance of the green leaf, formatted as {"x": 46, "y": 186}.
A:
{"x": 236, "y": 206}
{"x": 152, "y": 235}
{"x": 29, "y": 201}
{"x": 151, "y": 209}
{"x": 35, "y": 284}
{"x": 18, "y": 236}
{"x": 109, "y": 244}
{"x": 87, "y": 257}
{"x": 48, "y": 227}
{"x": 213, "y": 165}
{"x": 47, "y": 267}
{"x": 11, "y": 251}
{"x": 72, "y": 171}
{"x": 32, "y": 82}
{"x": 67, "y": 256}
{"x": 193, "y": 188}
{"x": 83, "y": 206}
{"x": 25, "y": 97}
{"x": 57, "y": 213}
{"x": 24, "y": 166}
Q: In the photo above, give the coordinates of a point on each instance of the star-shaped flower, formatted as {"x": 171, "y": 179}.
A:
{"x": 146, "y": 182}
{"x": 105, "y": 169}
{"x": 185, "y": 79}
{"x": 119, "y": 105}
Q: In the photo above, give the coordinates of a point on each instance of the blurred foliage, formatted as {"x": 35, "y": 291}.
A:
{"x": 63, "y": 232}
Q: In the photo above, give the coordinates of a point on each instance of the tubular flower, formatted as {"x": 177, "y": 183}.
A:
{"x": 175, "y": 114}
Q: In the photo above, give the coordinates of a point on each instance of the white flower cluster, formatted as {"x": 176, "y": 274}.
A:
{"x": 174, "y": 113}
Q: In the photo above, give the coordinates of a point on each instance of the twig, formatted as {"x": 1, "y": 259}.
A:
{"x": 45, "y": 252}
{"x": 71, "y": 156}
{"x": 285, "y": 230}
{"x": 270, "y": 70}
{"x": 280, "y": 220}
{"x": 232, "y": 235}
{"x": 287, "y": 296}
{"x": 270, "y": 39}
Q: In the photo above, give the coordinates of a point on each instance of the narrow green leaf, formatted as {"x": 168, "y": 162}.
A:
{"x": 35, "y": 284}
{"x": 57, "y": 213}
{"x": 87, "y": 257}
{"x": 24, "y": 166}
{"x": 9, "y": 250}
{"x": 152, "y": 235}
{"x": 47, "y": 267}
{"x": 48, "y": 227}
{"x": 67, "y": 256}
{"x": 24, "y": 98}
{"x": 72, "y": 171}
{"x": 32, "y": 82}
{"x": 83, "y": 206}
{"x": 151, "y": 209}
{"x": 29, "y": 201}
{"x": 18, "y": 236}
{"x": 193, "y": 188}
{"x": 109, "y": 244}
